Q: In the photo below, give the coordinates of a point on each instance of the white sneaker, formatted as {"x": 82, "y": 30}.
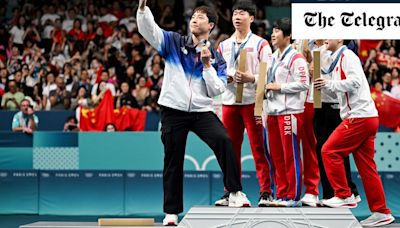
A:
{"x": 292, "y": 203}
{"x": 278, "y": 203}
{"x": 378, "y": 219}
{"x": 358, "y": 198}
{"x": 310, "y": 200}
{"x": 238, "y": 199}
{"x": 265, "y": 200}
{"x": 170, "y": 220}
{"x": 349, "y": 202}
{"x": 224, "y": 201}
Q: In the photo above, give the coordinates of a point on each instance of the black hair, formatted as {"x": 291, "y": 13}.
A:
{"x": 245, "y": 5}
{"x": 72, "y": 118}
{"x": 284, "y": 25}
{"x": 211, "y": 14}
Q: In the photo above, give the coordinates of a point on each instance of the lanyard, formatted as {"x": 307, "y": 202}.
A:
{"x": 274, "y": 67}
{"x": 332, "y": 66}
{"x": 235, "y": 54}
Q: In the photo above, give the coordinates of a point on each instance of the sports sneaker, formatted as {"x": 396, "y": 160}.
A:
{"x": 292, "y": 203}
{"x": 279, "y": 202}
{"x": 358, "y": 198}
{"x": 265, "y": 199}
{"x": 310, "y": 200}
{"x": 224, "y": 201}
{"x": 170, "y": 220}
{"x": 238, "y": 199}
{"x": 378, "y": 219}
{"x": 349, "y": 202}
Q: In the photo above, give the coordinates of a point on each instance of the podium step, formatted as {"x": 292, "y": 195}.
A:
{"x": 79, "y": 225}
{"x": 257, "y": 217}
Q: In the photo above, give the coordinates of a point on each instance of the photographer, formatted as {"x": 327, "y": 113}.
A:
{"x": 13, "y": 98}
{"x": 71, "y": 124}
{"x": 24, "y": 120}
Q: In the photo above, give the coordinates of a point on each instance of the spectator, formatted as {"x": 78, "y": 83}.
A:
{"x": 68, "y": 22}
{"x": 82, "y": 98}
{"x": 4, "y": 39}
{"x": 3, "y": 77}
{"x": 373, "y": 74}
{"x": 18, "y": 34}
{"x": 25, "y": 120}
{"x": 155, "y": 75}
{"x": 130, "y": 76}
{"x": 96, "y": 88}
{"x": 129, "y": 21}
{"x": 90, "y": 32}
{"x": 60, "y": 98}
{"x": 167, "y": 20}
{"x": 49, "y": 14}
{"x": 387, "y": 81}
{"x": 18, "y": 80}
{"x": 395, "y": 77}
{"x": 150, "y": 103}
{"x": 110, "y": 128}
{"x": 12, "y": 99}
{"x": 156, "y": 58}
{"x": 36, "y": 102}
{"x": 124, "y": 98}
{"x": 92, "y": 12}
{"x": 261, "y": 19}
{"x": 58, "y": 57}
{"x": 371, "y": 59}
{"x": 116, "y": 10}
{"x": 77, "y": 36}
{"x": 83, "y": 81}
{"x": 141, "y": 91}
{"x": 58, "y": 35}
{"x": 14, "y": 61}
{"x": 49, "y": 86}
{"x": 100, "y": 92}
{"x": 137, "y": 60}
{"x": 71, "y": 124}
{"x": 396, "y": 91}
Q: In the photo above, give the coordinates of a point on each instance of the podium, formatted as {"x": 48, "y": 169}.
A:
{"x": 276, "y": 217}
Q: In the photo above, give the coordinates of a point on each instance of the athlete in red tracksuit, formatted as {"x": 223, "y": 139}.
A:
{"x": 308, "y": 140}
{"x": 356, "y": 134}
{"x": 240, "y": 116}
{"x": 288, "y": 81}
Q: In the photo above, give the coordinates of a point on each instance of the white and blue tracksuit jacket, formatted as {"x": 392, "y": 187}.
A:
{"x": 186, "y": 85}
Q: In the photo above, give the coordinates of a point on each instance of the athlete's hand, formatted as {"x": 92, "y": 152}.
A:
{"x": 244, "y": 77}
{"x": 320, "y": 83}
{"x": 273, "y": 86}
{"x": 205, "y": 57}
{"x": 142, "y": 4}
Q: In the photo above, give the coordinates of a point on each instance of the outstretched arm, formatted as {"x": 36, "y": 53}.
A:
{"x": 148, "y": 28}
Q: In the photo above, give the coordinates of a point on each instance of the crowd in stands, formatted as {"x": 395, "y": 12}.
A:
{"x": 64, "y": 54}
{"x": 382, "y": 67}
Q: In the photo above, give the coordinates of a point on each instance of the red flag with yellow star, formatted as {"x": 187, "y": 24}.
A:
{"x": 388, "y": 109}
{"x": 98, "y": 118}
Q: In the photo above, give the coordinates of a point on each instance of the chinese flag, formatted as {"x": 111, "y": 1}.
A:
{"x": 97, "y": 119}
{"x": 122, "y": 119}
{"x": 365, "y": 46}
{"x": 388, "y": 109}
{"x": 138, "y": 119}
{"x": 131, "y": 119}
